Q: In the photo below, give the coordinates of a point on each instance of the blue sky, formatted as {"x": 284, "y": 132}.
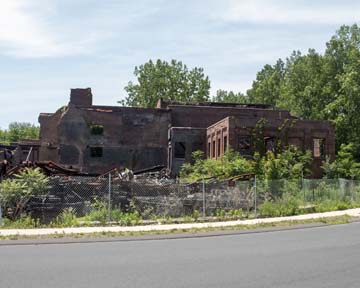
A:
{"x": 50, "y": 46}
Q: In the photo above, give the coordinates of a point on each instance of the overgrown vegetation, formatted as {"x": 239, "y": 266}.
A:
{"x": 282, "y": 208}
{"x": 23, "y": 222}
{"x": 344, "y": 166}
{"x": 280, "y": 190}
{"x": 294, "y": 207}
{"x": 102, "y": 215}
{"x": 291, "y": 163}
{"x": 230, "y": 164}
{"x": 318, "y": 86}
{"x": 66, "y": 219}
{"x": 15, "y": 193}
{"x": 311, "y": 85}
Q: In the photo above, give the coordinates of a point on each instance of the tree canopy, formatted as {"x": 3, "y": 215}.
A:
{"x": 18, "y": 131}
{"x": 318, "y": 86}
{"x": 229, "y": 97}
{"x": 169, "y": 81}
{"x": 310, "y": 85}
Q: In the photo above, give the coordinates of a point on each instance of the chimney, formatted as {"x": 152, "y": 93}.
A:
{"x": 81, "y": 97}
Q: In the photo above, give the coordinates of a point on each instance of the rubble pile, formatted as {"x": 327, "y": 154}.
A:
{"x": 49, "y": 168}
{"x": 151, "y": 192}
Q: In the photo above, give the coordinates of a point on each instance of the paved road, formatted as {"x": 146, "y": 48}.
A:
{"x": 316, "y": 257}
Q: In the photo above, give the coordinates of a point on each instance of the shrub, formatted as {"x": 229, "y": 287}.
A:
{"x": 228, "y": 165}
{"x": 15, "y": 193}
{"x": 281, "y": 208}
{"x": 196, "y": 215}
{"x": 289, "y": 164}
{"x": 66, "y": 219}
{"x": 126, "y": 219}
{"x": 332, "y": 205}
{"x": 23, "y": 222}
{"x": 222, "y": 214}
{"x": 101, "y": 214}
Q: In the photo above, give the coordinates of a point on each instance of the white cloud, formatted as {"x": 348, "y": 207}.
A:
{"x": 26, "y": 32}
{"x": 292, "y": 12}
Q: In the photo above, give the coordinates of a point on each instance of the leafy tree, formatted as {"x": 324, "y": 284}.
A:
{"x": 266, "y": 88}
{"x": 290, "y": 164}
{"x": 315, "y": 86}
{"x": 169, "y": 81}
{"x": 229, "y": 97}
{"x": 344, "y": 166}
{"x": 302, "y": 89}
{"x": 15, "y": 193}
{"x": 18, "y": 131}
{"x": 343, "y": 53}
{"x": 3, "y": 136}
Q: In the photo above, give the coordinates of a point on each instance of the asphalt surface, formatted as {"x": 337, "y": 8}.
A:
{"x": 315, "y": 257}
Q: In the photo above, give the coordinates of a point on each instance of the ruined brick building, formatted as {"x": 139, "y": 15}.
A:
{"x": 95, "y": 138}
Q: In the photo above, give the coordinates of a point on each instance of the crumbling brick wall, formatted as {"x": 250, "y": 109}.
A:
{"x": 239, "y": 132}
{"x": 96, "y": 138}
{"x": 132, "y": 138}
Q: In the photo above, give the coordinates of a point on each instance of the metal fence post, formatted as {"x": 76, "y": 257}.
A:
{"x": 204, "y": 201}
{"x": 1, "y": 222}
{"x": 302, "y": 187}
{"x": 109, "y": 203}
{"x": 255, "y": 203}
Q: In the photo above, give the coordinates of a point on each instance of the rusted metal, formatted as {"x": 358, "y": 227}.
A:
{"x": 49, "y": 168}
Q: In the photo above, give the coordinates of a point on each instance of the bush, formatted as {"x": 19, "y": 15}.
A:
{"x": 196, "y": 215}
{"x": 222, "y": 214}
{"x": 293, "y": 207}
{"x": 280, "y": 208}
{"x": 66, "y": 219}
{"x": 126, "y": 219}
{"x": 230, "y": 164}
{"x": 15, "y": 193}
{"x": 101, "y": 214}
{"x": 332, "y": 205}
{"x": 291, "y": 163}
{"x": 23, "y": 222}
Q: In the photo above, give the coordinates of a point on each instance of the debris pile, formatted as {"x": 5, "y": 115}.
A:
{"x": 49, "y": 168}
{"x": 150, "y": 191}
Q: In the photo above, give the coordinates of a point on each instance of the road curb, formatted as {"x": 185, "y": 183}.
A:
{"x": 171, "y": 227}
{"x": 176, "y": 236}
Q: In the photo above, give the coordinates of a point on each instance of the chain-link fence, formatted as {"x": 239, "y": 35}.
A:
{"x": 105, "y": 198}
{"x": 309, "y": 190}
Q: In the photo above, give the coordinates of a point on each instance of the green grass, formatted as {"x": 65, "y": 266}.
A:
{"x": 99, "y": 216}
{"x": 293, "y": 207}
{"x": 24, "y": 222}
{"x": 326, "y": 221}
{"x": 117, "y": 217}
